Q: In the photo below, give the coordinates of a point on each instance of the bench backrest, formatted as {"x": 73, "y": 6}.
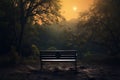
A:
{"x": 58, "y": 54}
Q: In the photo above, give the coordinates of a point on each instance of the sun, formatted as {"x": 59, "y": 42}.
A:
{"x": 71, "y": 9}
{"x": 74, "y": 8}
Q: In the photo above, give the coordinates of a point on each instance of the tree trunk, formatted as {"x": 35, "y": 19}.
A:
{"x": 22, "y": 24}
{"x": 21, "y": 36}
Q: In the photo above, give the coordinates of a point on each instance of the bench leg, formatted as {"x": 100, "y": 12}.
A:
{"x": 76, "y": 65}
{"x": 41, "y": 65}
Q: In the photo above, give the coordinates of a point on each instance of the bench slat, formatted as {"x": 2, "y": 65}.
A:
{"x": 49, "y": 60}
{"x": 58, "y": 56}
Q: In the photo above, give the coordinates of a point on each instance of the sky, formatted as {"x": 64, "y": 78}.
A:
{"x": 71, "y": 8}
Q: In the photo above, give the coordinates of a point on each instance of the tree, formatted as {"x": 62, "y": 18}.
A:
{"x": 37, "y": 11}
{"x": 103, "y": 23}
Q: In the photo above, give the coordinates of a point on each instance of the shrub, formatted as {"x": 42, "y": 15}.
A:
{"x": 35, "y": 50}
{"x": 52, "y": 48}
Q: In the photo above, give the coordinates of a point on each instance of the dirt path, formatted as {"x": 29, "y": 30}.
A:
{"x": 85, "y": 72}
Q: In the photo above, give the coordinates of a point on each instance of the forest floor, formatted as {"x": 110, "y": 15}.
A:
{"x": 60, "y": 71}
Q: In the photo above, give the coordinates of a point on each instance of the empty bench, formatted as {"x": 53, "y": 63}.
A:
{"x": 58, "y": 56}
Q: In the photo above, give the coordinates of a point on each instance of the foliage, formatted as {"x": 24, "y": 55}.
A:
{"x": 23, "y": 25}
{"x": 102, "y": 25}
{"x": 42, "y": 11}
{"x": 35, "y": 50}
{"x": 15, "y": 15}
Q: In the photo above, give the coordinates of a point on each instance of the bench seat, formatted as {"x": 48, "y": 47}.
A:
{"x": 58, "y": 56}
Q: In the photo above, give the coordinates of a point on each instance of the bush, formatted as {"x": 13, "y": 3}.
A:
{"x": 52, "y": 48}
{"x": 35, "y": 50}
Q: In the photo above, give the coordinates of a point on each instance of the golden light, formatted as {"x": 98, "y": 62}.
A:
{"x": 74, "y": 8}
{"x": 71, "y": 8}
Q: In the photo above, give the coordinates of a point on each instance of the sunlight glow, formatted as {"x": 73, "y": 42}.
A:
{"x": 71, "y": 8}
{"x": 74, "y": 8}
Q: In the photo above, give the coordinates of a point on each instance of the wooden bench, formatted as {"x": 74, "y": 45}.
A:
{"x": 58, "y": 56}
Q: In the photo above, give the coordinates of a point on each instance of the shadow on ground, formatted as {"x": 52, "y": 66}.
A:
{"x": 84, "y": 72}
